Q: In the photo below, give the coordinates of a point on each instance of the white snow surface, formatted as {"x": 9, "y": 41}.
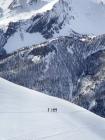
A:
{"x": 89, "y": 16}
{"x": 24, "y": 116}
{"x": 85, "y": 17}
{"x": 22, "y": 39}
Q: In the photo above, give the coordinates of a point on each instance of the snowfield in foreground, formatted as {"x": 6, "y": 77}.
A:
{"x": 24, "y": 116}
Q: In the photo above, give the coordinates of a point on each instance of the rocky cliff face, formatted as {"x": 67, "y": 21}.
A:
{"x": 68, "y": 67}
{"x": 91, "y": 92}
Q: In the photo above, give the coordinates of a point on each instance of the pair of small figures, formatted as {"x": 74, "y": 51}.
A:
{"x": 52, "y": 109}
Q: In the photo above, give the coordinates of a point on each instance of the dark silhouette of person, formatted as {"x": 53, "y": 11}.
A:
{"x": 48, "y": 109}
{"x": 52, "y": 109}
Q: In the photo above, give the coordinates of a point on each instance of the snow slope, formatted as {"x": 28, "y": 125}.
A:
{"x": 23, "y": 10}
{"x": 89, "y": 16}
{"x": 24, "y": 116}
{"x": 83, "y": 16}
{"x": 21, "y": 39}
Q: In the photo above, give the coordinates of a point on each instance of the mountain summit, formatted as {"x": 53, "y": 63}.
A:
{"x": 48, "y": 19}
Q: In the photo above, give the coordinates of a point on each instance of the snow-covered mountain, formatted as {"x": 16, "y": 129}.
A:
{"x": 48, "y": 19}
{"x": 14, "y": 23}
{"x": 24, "y": 115}
{"x": 15, "y": 10}
{"x": 67, "y": 67}
{"x": 71, "y": 68}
